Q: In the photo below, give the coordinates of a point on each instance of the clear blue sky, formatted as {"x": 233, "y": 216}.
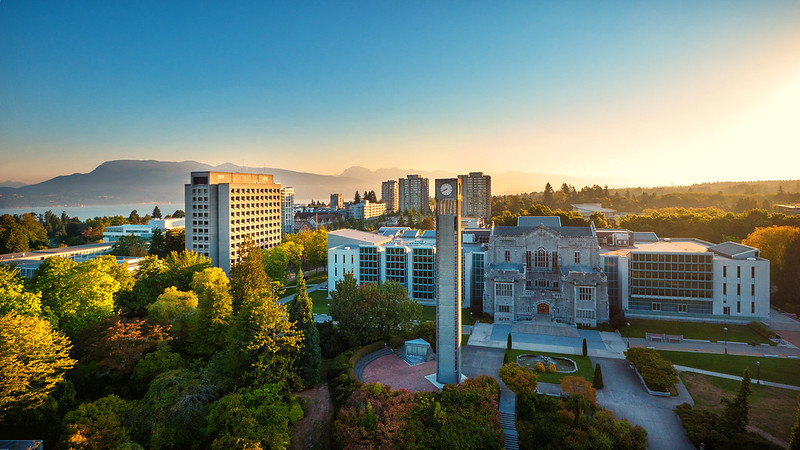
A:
{"x": 652, "y": 92}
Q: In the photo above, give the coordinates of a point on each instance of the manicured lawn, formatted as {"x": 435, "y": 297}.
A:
{"x": 320, "y": 301}
{"x": 772, "y": 409}
{"x": 693, "y": 330}
{"x": 779, "y": 370}
{"x": 585, "y": 366}
{"x": 317, "y": 278}
{"x": 428, "y": 313}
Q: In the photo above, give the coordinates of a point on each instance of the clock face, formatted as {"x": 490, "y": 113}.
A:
{"x": 446, "y": 189}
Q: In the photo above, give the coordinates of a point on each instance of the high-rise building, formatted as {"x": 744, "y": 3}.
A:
{"x": 389, "y": 195}
{"x": 477, "y": 195}
{"x": 337, "y": 202}
{"x": 287, "y": 210}
{"x": 224, "y": 209}
{"x": 413, "y": 193}
{"x": 448, "y": 280}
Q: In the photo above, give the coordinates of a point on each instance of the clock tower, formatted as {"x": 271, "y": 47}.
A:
{"x": 448, "y": 280}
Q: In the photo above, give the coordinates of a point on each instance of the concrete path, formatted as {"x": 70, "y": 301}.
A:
{"x": 624, "y": 395}
{"x": 309, "y": 289}
{"x": 508, "y": 417}
{"x": 734, "y": 348}
{"x": 734, "y": 377}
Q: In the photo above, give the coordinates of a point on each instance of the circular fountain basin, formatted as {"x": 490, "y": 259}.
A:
{"x": 563, "y": 365}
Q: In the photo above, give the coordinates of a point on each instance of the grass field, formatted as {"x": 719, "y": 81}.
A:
{"x": 772, "y": 409}
{"x": 693, "y": 330}
{"x": 585, "y": 366}
{"x": 320, "y": 301}
{"x": 779, "y": 370}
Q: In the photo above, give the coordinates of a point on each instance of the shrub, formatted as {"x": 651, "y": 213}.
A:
{"x": 551, "y": 368}
{"x": 508, "y": 342}
{"x": 579, "y": 386}
{"x": 539, "y": 367}
{"x": 585, "y": 348}
{"x": 520, "y": 379}
{"x": 658, "y": 373}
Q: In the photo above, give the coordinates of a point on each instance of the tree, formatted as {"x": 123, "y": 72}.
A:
{"x": 509, "y": 342}
{"x": 520, "y": 379}
{"x": 300, "y": 312}
{"x": 175, "y": 308}
{"x": 158, "y": 244}
{"x": 357, "y": 198}
{"x": 794, "y": 438}
{"x": 253, "y": 417}
{"x": 134, "y": 217}
{"x": 597, "y": 381}
{"x": 12, "y": 236}
{"x": 427, "y": 223}
{"x": 599, "y": 220}
{"x": 14, "y": 297}
{"x": 37, "y": 235}
{"x": 372, "y": 311}
{"x": 547, "y": 197}
{"x": 263, "y": 344}
{"x": 276, "y": 262}
{"x": 214, "y": 310}
{"x": 33, "y": 359}
{"x": 248, "y": 275}
{"x": 174, "y": 240}
{"x": 98, "y": 425}
{"x": 735, "y": 416}
{"x": 156, "y": 213}
{"x": 579, "y": 386}
{"x": 585, "y": 347}
{"x": 178, "y": 214}
{"x": 130, "y": 245}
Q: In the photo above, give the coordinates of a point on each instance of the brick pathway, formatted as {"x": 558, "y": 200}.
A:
{"x": 392, "y": 371}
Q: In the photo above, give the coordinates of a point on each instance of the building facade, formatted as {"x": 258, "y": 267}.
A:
{"x": 389, "y": 195}
{"x": 337, "y": 202}
{"x": 477, "y": 195}
{"x": 225, "y": 209}
{"x": 287, "y": 210}
{"x": 365, "y": 210}
{"x": 114, "y": 232}
{"x": 413, "y": 194}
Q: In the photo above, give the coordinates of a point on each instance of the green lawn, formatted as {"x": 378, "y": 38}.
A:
{"x": 779, "y": 370}
{"x": 428, "y": 313}
{"x": 464, "y": 339}
{"x": 693, "y": 330}
{"x": 320, "y": 301}
{"x": 585, "y": 366}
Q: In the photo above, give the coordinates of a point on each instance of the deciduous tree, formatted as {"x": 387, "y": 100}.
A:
{"x": 14, "y": 297}
{"x": 214, "y": 310}
{"x": 520, "y": 379}
{"x": 98, "y": 425}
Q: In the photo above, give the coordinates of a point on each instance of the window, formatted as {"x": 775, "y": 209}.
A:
{"x": 577, "y": 257}
{"x": 541, "y": 283}
{"x": 504, "y": 308}
{"x": 726, "y": 310}
{"x": 752, "y": 308}
{"x": 753, "y": 289}
{"x": 738, "y": 289}
{"x": 656, "y": 306}
{"x": 738, "y": 271}
{"x": 555, "y": 284}
{"x": 528, "y": 259}
{"x": 541, "y": 258}
{"x": 752, "y": 272}
{"x": 585, "y": 294}
{"x": 724, "y": 271}
{"x": 508, "y": 255}
{"x": 724, "y": 289}
{"x": 683, "y": 308}
{"x": 503, "y": 289}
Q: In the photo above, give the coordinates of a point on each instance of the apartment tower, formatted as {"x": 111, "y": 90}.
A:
{"x": 287, "y": 210}
{"x": 477, "y": 195}
{"x": 389, "y": 195}
{"x": 224, "y": 209}
{"x": 413, "y": 193}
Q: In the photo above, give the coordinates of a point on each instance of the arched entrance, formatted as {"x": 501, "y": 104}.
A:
{"x": 542, "y": 308}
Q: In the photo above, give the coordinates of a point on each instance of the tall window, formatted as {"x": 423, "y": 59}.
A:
{"x": 528, "y": 259}
{"x": 724, "y": 288}
{"x": 585, "y": 294}
{"x": 656, "y": 306}
{"x": 738, "y": 271}
{"x": 724, "y": 271}
{"x": 508, "y": 255}
{"x": 752, "y": 272}
{"x": 503, "y": 289}
{"x": 577, "y": 257}
{"x": 752, "y": 289}
{"x": 541, "y": 258}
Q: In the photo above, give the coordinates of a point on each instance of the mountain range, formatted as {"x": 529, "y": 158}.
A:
{"x": 137, "y": 181}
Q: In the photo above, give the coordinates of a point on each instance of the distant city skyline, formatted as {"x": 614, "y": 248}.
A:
{"x": 656, "y": 93}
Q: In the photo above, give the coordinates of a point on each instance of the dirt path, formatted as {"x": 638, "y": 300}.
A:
{"x": 314, "y": 430}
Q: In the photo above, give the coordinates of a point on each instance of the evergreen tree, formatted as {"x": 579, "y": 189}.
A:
{"x": 734, "y": 418}
{"x": 597, "y": 382}
{"x": 300, "y": 312}
{"x": 134, "y": 218}
{"x": 547, "y": 197}
{"x": 357, "y": 198}
{"x": 585, "y": 348}
{"x": 508, "y": 342}
{"x": 156, "y": 213}
{"x": 157, "y": 244}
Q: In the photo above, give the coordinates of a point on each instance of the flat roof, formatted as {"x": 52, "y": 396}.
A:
{"x": 358, "y": 235}
{"x": 661, "y": 246}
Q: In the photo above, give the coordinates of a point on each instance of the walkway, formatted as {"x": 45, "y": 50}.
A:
{"x": 734, "y": 377}
{"x": 508, "y": 417}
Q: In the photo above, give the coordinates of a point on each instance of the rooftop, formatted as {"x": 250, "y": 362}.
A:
{"x": 661, "y": 246}
{"x": 362, "y": 236}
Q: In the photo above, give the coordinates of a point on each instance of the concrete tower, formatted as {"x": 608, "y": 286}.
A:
{"x": 448, "y": 284}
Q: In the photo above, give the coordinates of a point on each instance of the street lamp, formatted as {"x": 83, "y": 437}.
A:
{"x": 758, "y": 371}
{"x": 726, "y": 340}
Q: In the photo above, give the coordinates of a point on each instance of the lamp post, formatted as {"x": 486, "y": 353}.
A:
{"x": 726, "y": 340}
{"x": 628, "y": 341}
{"x": 758, "y": 372}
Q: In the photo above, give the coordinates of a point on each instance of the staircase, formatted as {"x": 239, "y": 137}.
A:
{"x": 358, "y": 368}
{"x": 509, "y": 431}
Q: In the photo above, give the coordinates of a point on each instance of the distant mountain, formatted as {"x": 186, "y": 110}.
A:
{"x": 133, "y": 181}
{"x": 11, "y": 184}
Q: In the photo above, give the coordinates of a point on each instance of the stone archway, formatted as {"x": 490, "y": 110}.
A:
{"x": 542, "y": 308}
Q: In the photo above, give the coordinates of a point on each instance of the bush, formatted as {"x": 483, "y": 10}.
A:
{"x": 585, "y": 348}
{"x": 331, "y": 341}
{"x": 657, "y": 372}
{"x": 539, "y": 367}
{"x": 551, "y": 368}
{"x": 520, "y": 379}
{"x": 707, "y": 427}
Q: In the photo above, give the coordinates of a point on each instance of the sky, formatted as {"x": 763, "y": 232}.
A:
{"x": 625, "y": 93}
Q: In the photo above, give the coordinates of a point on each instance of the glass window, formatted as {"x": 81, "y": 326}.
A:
{"x": 541, "y": 258}
{"x": 683, "y": 308}
{"x": 577, "y": 257}
{"x": 508, "y": 255}
{"x": 656, "y": 306}
{"x": 503, "y": 289}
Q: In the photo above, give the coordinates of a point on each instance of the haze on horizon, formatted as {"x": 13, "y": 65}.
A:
{"x": 649, "y": 92}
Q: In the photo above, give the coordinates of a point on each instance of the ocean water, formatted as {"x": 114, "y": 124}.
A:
{"x": 92, "y": 211}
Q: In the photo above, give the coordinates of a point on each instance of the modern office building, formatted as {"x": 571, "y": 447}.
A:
{"x": 337, "y": 202}
{"x": 413, "y": 194}
{"x": 685, "y": 279}
{"x": 224, "y": 209}
{"x": 28, "y": 262}
{"x": 365, "y": 210}
{"x": 477, "y": 195}
{"x": 389, "y": 195}
{"x": 114, "y": 232}
{"x": 287, "y": 210}
{"x": 448, "y": 280}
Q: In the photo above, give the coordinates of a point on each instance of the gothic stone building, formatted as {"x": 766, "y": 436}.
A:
{"x": 540, "y": 268}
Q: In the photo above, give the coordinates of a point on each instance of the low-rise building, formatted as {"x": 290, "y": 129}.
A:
{"x": 365, "y": 210}
{"x": 28, "y": 262}
{"x": 114, "y": 232}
